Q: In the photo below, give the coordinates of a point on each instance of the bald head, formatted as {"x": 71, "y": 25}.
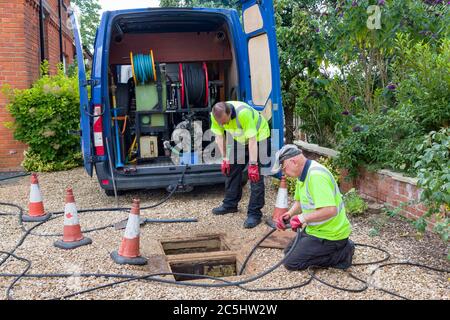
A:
{"x": 222, "y": 112}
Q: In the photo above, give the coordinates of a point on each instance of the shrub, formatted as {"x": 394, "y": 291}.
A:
{"x": 43, "y": 116}
{"x": 422, "y": 73}
{"x": 421, "y": 95}
{"x": 354, "y": 204}
{"x": 329, "y": 163}
{"x": 384, "y": 140}
{"x": 434, "y": 179}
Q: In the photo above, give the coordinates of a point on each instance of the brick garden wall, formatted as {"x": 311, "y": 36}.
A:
{"x": 386, "y": 187}
{"x": 20, "y": 60}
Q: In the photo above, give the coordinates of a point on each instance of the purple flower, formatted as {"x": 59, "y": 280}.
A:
{"x": 381, "y": 2}
{"x": 391, "y": 86}
{"x": 352, "y": 99}
{"x": 317, "y": 29}
{"x": 341, "y": 15}
{"x": 354, "y": 4}
{"x": 345, "y": 112}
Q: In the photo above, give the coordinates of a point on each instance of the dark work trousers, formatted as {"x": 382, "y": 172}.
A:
{"x": 313, "y": 251}
{"x": 239, "y": 158}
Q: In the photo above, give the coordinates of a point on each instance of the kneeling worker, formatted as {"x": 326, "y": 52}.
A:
{"x": 250, "y": 132}
{"x": 318, "y": 206}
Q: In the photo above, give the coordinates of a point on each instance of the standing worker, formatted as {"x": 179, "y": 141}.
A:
{"x": 250, "y": 132}
{"x": 318, "y": 206}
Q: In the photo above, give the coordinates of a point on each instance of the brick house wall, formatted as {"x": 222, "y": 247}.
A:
{"x": 20, "y": 59}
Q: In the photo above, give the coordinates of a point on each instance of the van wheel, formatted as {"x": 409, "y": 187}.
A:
{"x": 110, "y": 193}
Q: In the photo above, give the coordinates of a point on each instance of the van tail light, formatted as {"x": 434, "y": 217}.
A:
{"x": 98, "y": 131}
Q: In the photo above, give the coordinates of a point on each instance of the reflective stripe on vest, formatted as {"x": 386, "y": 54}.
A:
{"x": 311, "y": 205}
{"x": 242, "y": 107}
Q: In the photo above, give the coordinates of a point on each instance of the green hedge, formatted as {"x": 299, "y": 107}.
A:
{"x": 43, "y": 116}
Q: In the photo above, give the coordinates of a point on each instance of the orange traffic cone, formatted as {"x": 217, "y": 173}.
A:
{"x": 281, "y": 205}
{"x": 36, "y": 210}
{"x": 129, "y": 249}
{"x": 72, "y": 236}
{"x": 279, "y": 239}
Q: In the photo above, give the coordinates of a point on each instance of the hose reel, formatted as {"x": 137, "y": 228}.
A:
{"x": 194, "y": 84}
{"x": 143, "y": 68}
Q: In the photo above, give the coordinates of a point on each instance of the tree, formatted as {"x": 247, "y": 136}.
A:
{"x": 89, "y": 20}
{"x": 299, "y": 42}
{"x": 169, "y": 3}
{"x": 200, "y": 3}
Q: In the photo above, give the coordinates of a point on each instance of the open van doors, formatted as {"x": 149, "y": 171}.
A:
{"x": 85, "y": 123}
{"x": 262, "y": 90}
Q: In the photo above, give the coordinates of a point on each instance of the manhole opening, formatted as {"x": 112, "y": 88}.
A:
{"x": 196, "y": 245}
{"x": 224, "y": 267}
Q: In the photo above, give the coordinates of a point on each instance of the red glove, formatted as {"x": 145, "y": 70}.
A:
{"x": 225, "y": 167}
{"x": 282, "y": 220}
{"x": 253, "y": 173}
{"x": 296, "y": 223}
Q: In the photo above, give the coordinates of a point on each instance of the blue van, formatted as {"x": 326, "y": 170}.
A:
{"x": 159, "y": 70}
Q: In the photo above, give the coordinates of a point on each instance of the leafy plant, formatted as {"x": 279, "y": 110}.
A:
{"x": 422, "y": 72}
{"x": 384, "y": 140}
{"x": 378, "y": 222}
{"x": 434, "y": 179}
{"x": 43, "y": 116}
{"x": 331, "y": 166}
{"x": 354, "y": 204}
{"x": 290, "y": 182}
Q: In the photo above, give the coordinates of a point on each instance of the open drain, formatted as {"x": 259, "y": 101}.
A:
{"x": 198, "y": 244}
{"x": 214, "y": 255}
{"x": 222, "y": 267}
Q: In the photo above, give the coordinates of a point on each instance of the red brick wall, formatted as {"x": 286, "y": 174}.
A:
{"x": 385, "y": 187}
{"x": 20, "y": 60}
{"x": 13, "y": 71}
{"x": 388, "y": 188}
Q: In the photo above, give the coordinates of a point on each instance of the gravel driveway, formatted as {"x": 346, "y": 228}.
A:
{"x": 397, "y": 237}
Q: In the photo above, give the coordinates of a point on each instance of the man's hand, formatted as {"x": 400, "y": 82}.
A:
{"x": 225, "y": 167}
{"x": 282, "y": 220}
{"x": 296, "y": 223}
{"x": 253, "y": 173}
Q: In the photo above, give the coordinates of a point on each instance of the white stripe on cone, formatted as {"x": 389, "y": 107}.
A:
{"x": 282, "y": 198}
{"x": 35, "y": 193}
{"x": 70, "y": 214}
{"x": 132, "y": 230}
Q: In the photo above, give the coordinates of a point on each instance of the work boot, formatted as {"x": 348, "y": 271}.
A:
{"x": 222, "y": 210}
{"x": 251, "y": 222}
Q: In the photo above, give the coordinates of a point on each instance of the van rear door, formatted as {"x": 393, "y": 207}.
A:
{"x": 262, "y": 89}
{"x": 85, "y": 118}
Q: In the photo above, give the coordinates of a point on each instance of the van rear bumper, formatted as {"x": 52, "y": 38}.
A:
{"x": 158, "y": 178}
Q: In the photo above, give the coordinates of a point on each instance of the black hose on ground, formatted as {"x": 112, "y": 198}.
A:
{"x": 53, "y": 215}
{"x": 153, "y": 277}
{"x": 15, "y": 176}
